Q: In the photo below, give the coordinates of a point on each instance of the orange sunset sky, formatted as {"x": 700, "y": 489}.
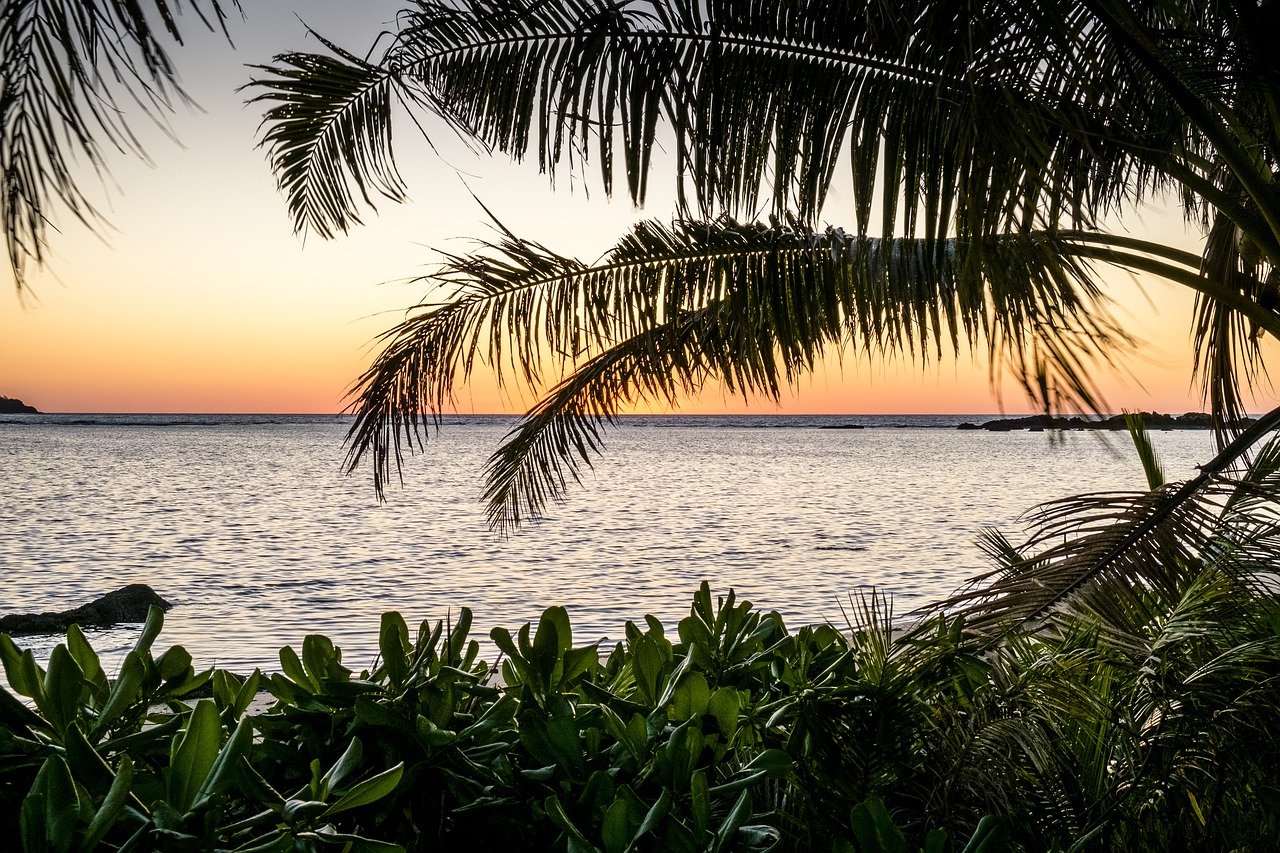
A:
{"x": 199, "y": 298}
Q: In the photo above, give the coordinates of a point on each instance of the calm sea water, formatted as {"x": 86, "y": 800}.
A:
{"x": 248, "y": 526}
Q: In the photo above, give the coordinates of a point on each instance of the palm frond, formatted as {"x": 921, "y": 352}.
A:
{"x": 753, "y": 306}
{"x": 68, "y": 74}
{"x": 959, "y": 123}
{"x": 1147, "y": 455}
{"x": 1226, "y": 343}
{"x": 1119, "y": 556}
{"x": 329, "y": 136}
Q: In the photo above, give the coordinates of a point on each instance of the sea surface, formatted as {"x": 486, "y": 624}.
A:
{"x": 249, "y": 526}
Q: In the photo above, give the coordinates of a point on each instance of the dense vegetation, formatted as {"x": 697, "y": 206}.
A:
{"x": 1111, "y": 685}
{"x": 1150, "y": 723}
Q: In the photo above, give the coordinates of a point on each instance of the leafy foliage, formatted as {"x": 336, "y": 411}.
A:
{"x": 737, "y": 734}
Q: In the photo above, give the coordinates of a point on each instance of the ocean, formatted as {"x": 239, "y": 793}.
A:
{"x": 249, "y": 527}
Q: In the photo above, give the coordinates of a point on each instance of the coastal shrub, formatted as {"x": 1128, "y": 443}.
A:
{"x": 730, "y": 733}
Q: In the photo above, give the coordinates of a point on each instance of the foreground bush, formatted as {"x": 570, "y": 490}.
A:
{"x": 732, "y": 734}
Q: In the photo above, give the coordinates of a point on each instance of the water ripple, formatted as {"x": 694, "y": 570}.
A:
{"x": 248, "y": 525}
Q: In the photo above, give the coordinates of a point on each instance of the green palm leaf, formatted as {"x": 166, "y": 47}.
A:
{"x": 1124, "y": 556}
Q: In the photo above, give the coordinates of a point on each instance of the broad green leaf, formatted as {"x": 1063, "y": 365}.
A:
{"x": 341, "y": 769}
{"x": 656, "y": 814}
{"x": 321, "y": 658}
{"x": 150, "y": 630}
{"x": 222, "y": 773}
{"x": 87, "y": 658}
{"x": 292, "y": 666}
{"x": 248, "y": 691}
{"x": 21, "y": 670}
{"x": 123, "y": 693}
{"x": 691, "y": 697}
{"x": 393, "y": 643}
{"x": 874, "y": 829}
{"x": 174, "y": 663}
{"x": 936, "y": 841}
{"x": 112, "y": 806}
{"x": 615, "y": 828}
{"x": 724, "y": 706}
{"x": 992, "y": 836}
{"x": 458, "y": 634}
{"x": 431, "y": 734}
{"x": 17, "y": 717}
{"x": 548, "y": 649}
{"x": 194, "y": 755}
{"x": 86, "y": 764}
{"x": 737, "y": 817}
{"x": 63, "y": 686}
{"x": 579, "y": 661}
{"x": 775, "y": 762}
{"x": 368, "y": 791}
{"x": 50, "y": 813}
{"x": 556, "y": 812}
{"x": 700, "y": 802}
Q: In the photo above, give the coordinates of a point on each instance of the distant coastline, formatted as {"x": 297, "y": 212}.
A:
{"x": 11, "y": 406}
{"x": 1151, "y": 420}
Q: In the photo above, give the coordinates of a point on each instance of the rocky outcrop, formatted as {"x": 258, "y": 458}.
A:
{"x": 1152, "y": 420}
{"x": 127, "y": 604}
{"x": 10, "y": 406}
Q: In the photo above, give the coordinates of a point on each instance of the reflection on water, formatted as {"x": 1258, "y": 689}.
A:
{"x": 248, "y": 526}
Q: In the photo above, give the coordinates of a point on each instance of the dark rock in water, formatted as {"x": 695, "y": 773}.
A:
{"x": 10, "y": 406}
{"x": 127, "y": 604}
{"x": 1152, "y": 420}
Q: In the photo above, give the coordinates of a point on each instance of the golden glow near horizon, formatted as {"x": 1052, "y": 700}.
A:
{"x": 202, "y": 300}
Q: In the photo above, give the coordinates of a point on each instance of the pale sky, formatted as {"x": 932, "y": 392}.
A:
{"x": 201, "y": 299}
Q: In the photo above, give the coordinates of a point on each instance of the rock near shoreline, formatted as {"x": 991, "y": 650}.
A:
{"x": 127, "y": 604}
{"x": 1152, "y": 420}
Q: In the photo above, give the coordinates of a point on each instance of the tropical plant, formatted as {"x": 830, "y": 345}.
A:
{"x": 71, "y": 75}
{"x": 990, "y": 149}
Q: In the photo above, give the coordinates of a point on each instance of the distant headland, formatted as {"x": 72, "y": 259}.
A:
{"x": 10, "y": 406}
{"x": 1151, "y": 420}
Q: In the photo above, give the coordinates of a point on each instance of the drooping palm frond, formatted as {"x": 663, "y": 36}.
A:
{"x": 70, "y": 73}
{"x": 1123, "y": 556}
{"x": 960, "y": 123}
{"x": 750, "y": 305}
{"x": 329, "y": 137}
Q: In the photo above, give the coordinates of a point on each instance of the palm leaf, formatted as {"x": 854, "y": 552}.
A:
{"x": 1118, "y": 555}
{"x": 329, "y": 136}
{"x": 68, "y": 73}
{"x": 749, "y": 305}
{"x": 1009, "y": 119}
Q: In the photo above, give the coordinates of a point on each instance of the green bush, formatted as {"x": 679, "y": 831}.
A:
{"x": 735, "y": 734}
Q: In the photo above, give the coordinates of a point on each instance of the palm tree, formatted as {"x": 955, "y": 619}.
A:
{"x": 68, "y": 70}
{"x": 987, "y": 146}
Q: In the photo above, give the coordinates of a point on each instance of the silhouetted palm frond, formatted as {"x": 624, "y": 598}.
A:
{"x": 750, "y": 305}
{"x": 1124, "y": 556}
{"x": 968, "y": 130}
{"x": 70, "y": 74}
{"x": 329, "y": 137}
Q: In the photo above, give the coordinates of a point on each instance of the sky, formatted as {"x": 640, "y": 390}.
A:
{"x": 200, "y": 298}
